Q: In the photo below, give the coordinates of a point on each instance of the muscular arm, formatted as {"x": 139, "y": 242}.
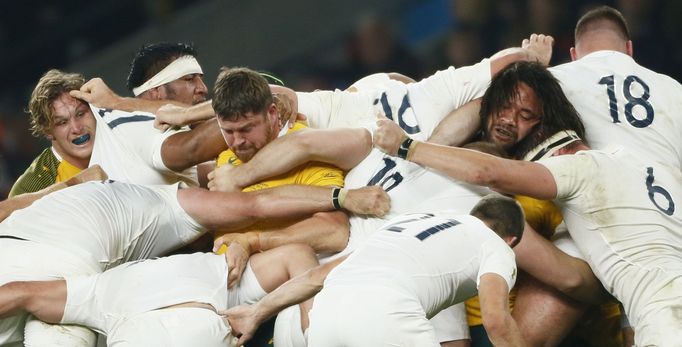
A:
{"x": 96, "y": 92}
{"x": 459, "y": 126}
{"x": 245, "y": 319}
{"x": 571, "y": 276}
{"x": 324, "y": 232}
{"x": 203, "y": 111}
{"x": 509, "y": 176}
{"x": 497, "y": 321}
{"x": 44, "y": 299}
{"x": 216, "y": 210}
{"x": 188, "y": 148}
{"x": 343, "y": 148}
{"x": 537, "y": 47}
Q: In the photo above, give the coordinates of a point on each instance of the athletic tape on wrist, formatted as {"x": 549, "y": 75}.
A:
{"x": 182, "y": 66}
{"x": 335, "y": 198}
{"x": 405, "y": 148}
{"x": 342, "y": 197}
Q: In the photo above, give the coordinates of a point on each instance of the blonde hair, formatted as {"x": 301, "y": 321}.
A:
{"x": 50, "y": 86}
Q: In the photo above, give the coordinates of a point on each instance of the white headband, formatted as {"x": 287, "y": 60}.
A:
{"x": 182, "y": 66}
{"x": 551, "y": 145}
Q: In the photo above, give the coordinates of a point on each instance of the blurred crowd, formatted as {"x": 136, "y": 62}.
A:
{"x": 426, "y": 35}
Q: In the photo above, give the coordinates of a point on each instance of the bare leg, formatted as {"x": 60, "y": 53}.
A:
{"x": 456, "y": 343}
{"x": 543, "y": 314}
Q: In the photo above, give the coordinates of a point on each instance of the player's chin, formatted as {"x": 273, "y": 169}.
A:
{"x": 83, "y": 151}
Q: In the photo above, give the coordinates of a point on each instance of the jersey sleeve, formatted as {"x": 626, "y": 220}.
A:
{"x": 139, "y": 134}
{"x": 441, "y": 93}
{"x": 497, "y": 258}
{"x": 569, "y": 173}
{"x": 42, "y": 173}
{"x": 336, "y": 109}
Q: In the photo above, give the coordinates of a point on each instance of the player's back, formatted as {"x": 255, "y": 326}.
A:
{"x": 435, "y": 256}
{"x": 621, "y": 102}
{"x": 101, "y": 221}
{"x": 622, "y": 213}
{"x": 412, "y": 189}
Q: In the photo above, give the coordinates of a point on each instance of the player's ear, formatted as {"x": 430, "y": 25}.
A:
{"x": 273, "y": 113}
{"x": 574, "y": 55}
{"x": 154, "y": 93}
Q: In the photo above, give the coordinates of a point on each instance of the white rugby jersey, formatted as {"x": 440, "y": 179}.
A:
{"x": 624, "y": 215}
{"x": 417, "y": 108}
{"x": 107, "y": 222}
{"x": 128, "y": 148}
{"x": 437, "y": 256}
{"x": 624, "y": 103}
{"x": 102, "y": 300}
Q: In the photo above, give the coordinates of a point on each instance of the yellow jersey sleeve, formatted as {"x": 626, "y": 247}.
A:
{"x": 45, "y": 170}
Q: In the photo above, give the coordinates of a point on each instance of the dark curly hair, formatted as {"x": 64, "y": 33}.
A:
{"x": 557, "y": 112}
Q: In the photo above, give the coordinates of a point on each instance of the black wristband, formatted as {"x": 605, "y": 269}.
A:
{"x": 404, "y": 148}
{"x": 335, "y": 198}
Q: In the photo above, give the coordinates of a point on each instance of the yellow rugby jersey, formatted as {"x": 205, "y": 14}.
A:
{"x": 66, "y": 170}
{"x": 312, "y": 173}
{"x": 44, "y": 171}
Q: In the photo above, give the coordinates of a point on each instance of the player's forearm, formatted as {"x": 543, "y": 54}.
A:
{"x": 24, "y": 200}
{"x": 504, "y": 333}
{"x": 18, "y": 202}
{"x": 507, "y": 56}
{"x": 138, "y": 104}
{"x": 325, "y": 232}
{"x": 295, "y": 290}
{"x": 276, "y": 158}
{"x": 459, "y": 126}
{"x": 291, "y": 200}
{"x": 462, "y": 164}
{"x": 538, "y": 48}
{"x": 497, "y": 321}
{"x": 343, "y": 148}
{"x": 215, "y": 210}
{"x": 198, "y": 112}
{"x": 504, "y": 175}
{"x": 186, "y": 149}
{"x": 571, "y": 276}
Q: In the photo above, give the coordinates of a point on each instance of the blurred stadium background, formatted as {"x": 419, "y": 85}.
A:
{"x": 309, "y": 44}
